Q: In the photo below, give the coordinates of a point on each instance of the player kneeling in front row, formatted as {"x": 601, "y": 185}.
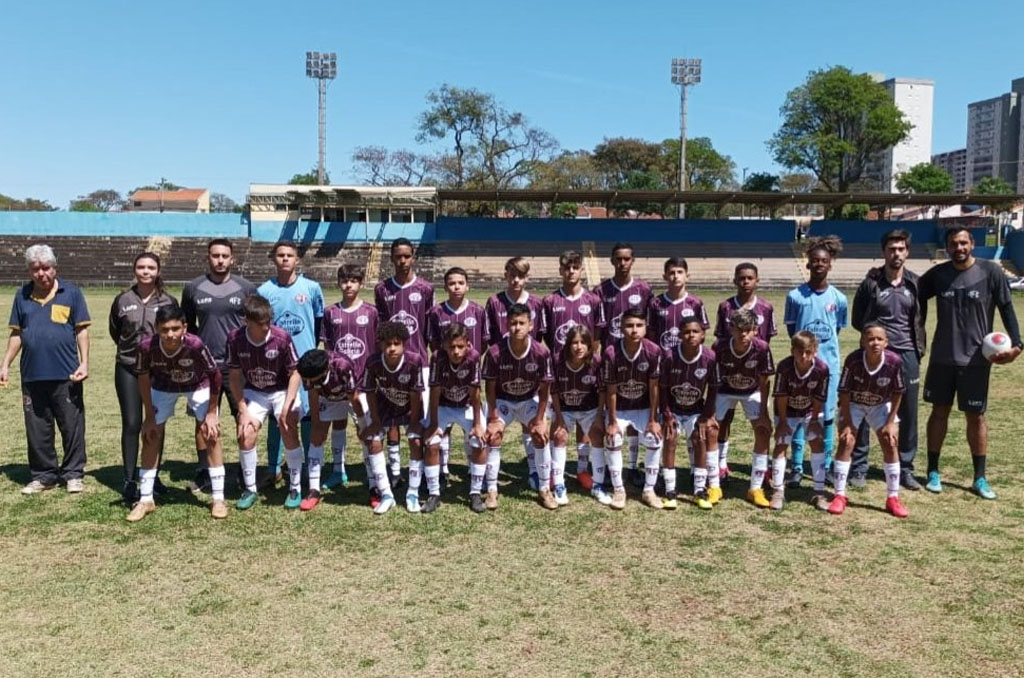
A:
{"x": 393, "y": 383}
{"x": 172, "y": 364}
{"x": 871, "y": 387}
{"x": 687, "y": 372}
{"x": 578, "y": 404}
{"x": 454, "y": 400}
{"x": 630, "y": 373}
{"x": 329, "y": 381}
{"x": 801, "y": 388}
{"x": 517, "y": 373}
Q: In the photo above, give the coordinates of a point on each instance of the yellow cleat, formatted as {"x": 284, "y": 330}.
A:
{"x": 757, "y": 498}
{"x": 714, "y": 495}
{"x": 703, "y": 501}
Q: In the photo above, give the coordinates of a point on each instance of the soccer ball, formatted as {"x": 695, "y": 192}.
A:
{"x": 995, "y": 343}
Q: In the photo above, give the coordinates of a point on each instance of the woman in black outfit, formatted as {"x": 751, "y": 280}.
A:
{"x": 132, "y": 317}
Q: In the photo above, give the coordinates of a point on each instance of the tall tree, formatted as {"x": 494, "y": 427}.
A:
{"x": 9, "y": 204}
{"x": 642, "y": 181}
{"x": 378, "y": 166}
{"x": 995, "y": 186}
{"x": 308, "y": 179}
{"x": 834, "y": 123}
{"x": 457, "y": 114}
{"x": 102, "y": 200}
{"x": 568, "y": 170}
{"x": 925, "y": 178}
{"x": 762, "y": 182}
{"x": 706, "y": 168}
{"x": 222, "y": 203}
{"x": 620, "y": 158}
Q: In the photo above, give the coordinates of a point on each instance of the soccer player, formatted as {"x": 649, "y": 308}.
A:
{"x": 298, "y": 304}
{"x": 967, "y": 292}
{"x": 349, "y": 328}
{"x": 801, "y": 386}
{"x": 746, "y": 281}
{"x": 393, "y": 384}
{"x": 212, "y": 304}
{"x": 630, "y": 373}
{"x": 517, "y": 375}
{"x": 820, "y": 308}
{"x": 329, "y": 380}
{"x": 687, "y": 374}
{"x": 172, "y": 364}
{"x": 567, "y": 307}
{"x": 261, "y": 362}
{"x": 743, "y": 365}
{"x": 455, "y": 400}
{"x": 578, "y": 404}
{"x": 870, "y": 390}
{"x": 405, "y": 298}
{"x": 667, "y": 311}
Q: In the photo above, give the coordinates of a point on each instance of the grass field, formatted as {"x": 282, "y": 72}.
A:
{"x": 582, "y": 591}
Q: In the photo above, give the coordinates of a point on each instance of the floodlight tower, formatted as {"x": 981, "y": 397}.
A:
{"x": 685, "y": 72}
{"x": 322, "y": 66}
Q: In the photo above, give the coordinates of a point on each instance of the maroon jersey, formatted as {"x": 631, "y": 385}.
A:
{"x": 578, "y": 390}
{"x": 870, "y": 388}
{"x": 267, "y": 366}
{"x": 665, "y": 316}
{"x": 562, "y": 313}
{"x": 407, "y": 304}
{"x": 471, "y": 314}
{"x": 351, "y": 332}
{"x": 801, "y": 390}
{"x": 191, "y": 368}
{"x": 631, "y": 375}
{"x": 497, "y": 316}
{"x": 340, "y": 380}
{"x": 741, "y": 374}
{"x": 518, "y": 377}
{"x": 684, "y": 382}
{"x": 766, "y": 328}
{"x": 617, "y": 300}
{"x": 393, "y": 389}
{"x": 454, "y": 381}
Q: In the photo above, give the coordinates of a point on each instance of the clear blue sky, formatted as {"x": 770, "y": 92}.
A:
{"x": 214, "y": 94}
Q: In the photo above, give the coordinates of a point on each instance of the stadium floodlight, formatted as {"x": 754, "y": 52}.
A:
{"x": 685, "y": 72}
{"x": 323, "y": 67}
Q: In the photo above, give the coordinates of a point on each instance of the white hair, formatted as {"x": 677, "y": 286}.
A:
{"x": 41, "y": 253}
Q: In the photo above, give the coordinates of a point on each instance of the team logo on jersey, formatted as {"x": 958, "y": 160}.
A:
{"x": 883, "y": 381}
{"x": 301, "y": 299}
{"x": 290, "y": 323}
{"x": 584, "y": 309}
{"x": 504, "y": 409}
{"x": 415, "y": 297}
{"x": 632, "y": 389}
{"x": 643, "y": 366}
{"x": 700, "y": 372}
{"x": 182, "y": 376}
{"x": 760, "y": 319}
{"x": 362, "y": 320}
{"x": 456, "y": 394}
{"x": 812, "y": 384}
{"x": 687, "y": 312}
{"x": 830, "y": 307}
{"x": 687, "y": 395}
{"x": 821, "y": 329}
{"x": 469, "y": 322}
{"x": 404, "y": 378}
{"x": 589, "y": 379}
{"x": 973, "y": 294}
{"x": 261, "y": 378}
{"x": 740, "y": 382}
{"x": 634, "y": 299}
{"x": 462, "y": 374}
{"x": 398, "y": 396}
{"x": 868, "y": 399}
{"x": 531, "y": 367}
{"x": 350, "y": 345}
{"x": 407, "y": 319}
{"x": 750, "y": 364}
{"x": 517, "y": 387}
{"x": 799, "y": 402}
{"x": 670, "y": 338}
{"x": 272, "y": 353}
{"x": 563, "y": 331}
{"x": 185, "y": 362}
{"x": 574, "y": 397}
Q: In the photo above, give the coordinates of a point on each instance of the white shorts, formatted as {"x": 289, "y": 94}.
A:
{"x": 197, "y": 403}
{"x": 876, "y": 415}
{"x": 795, "y": 423}
{"x": 751, "y": 404}
{"x": 259, "y": 404}
{"x": 454, "y": 416}
{"x": 585, "y": 419}
{"x": 686, "y": 423}
{"x": 522, "y": 411}
{"x": 638, "y": 419}
{"x": 336, "y": 410}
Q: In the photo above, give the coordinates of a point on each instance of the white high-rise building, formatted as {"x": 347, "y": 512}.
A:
{"x": 915, "y": 98}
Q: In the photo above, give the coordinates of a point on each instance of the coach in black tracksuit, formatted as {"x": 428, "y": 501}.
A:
{"x": 889, "y": 296}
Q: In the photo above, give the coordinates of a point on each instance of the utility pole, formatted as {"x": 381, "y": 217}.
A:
{"x": 685, "y": 72}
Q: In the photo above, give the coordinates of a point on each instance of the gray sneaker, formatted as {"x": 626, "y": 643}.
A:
{"x": 35, "y": 487}
{"x": 75, "y": 485}
{"x": 908, "y": 481}
{"x": 858, "y": 481}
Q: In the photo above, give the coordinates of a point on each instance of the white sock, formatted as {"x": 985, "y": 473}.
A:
{"x": 147, "y": 476}
{"x": 841, "y": 472}
{"x": 597, "y": 460}
{"x": 542, "y": 461}
{"x": 395, "y": 458}
{"x": 670, "y": 479}
{"x": 315, "y": 462}
{"x": 415, "y": 476}
{"x": 371, "y": 479}
{"x": 614, "y": 460}
{"x": 294, "y": 459}
{"x": 723, "y": 454}
{"x": 634, "y": 450}
{"x": 433, "y": 475}
{"x": 446, "y": 448}
{"x": 476, "y": 477}
{"x": 493, "y": 466}
{"x": 379, "y": 471}
{"x": 818, "y": 470}
{"x": 558, "y": 455}
{"x": 758, "y": 469}
{"x": 700, "y": 479}
{"x": 247, "y": 460}
{"x": 217, "y": 482}
{"x": 711, "y": 469}
{"x": 892, "y": 479}
{"x": 582, "y": 457}
{"x": 652, "y": 463}
{"x": 778, "y": 472}
{"x": 531, "y": 461}
{"x": 339, "y": 443}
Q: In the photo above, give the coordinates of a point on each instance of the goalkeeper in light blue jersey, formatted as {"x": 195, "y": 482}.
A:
{"x": 819, "y": 308}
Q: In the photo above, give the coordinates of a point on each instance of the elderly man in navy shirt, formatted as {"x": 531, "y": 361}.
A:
{"x": 49, "y": 327}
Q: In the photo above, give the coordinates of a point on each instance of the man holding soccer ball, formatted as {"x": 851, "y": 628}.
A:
{"x": 967, "y": 292}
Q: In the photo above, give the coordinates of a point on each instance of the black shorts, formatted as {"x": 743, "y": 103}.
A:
{"x": 969, "y": 384}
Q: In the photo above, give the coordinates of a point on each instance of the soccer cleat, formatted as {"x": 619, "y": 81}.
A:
{"x": 200, "y": 483}
{"x": 547, "y": 499}
{"x": 908, "y": 481}
{"x": 491, "y": 500}
{"x": 311, "y": 500}
{"x": 374, "y": 497}
{"x": 858, "y": 481}
{"x": 670, "y": 503}
{"x": 336, "y": 479}
{"x": 793, "y": 481}
{"x": 140, "y": 511}
{"x": 982, "y": 489}
{"x": 219, "y": 509}
{"x": 714, "y": 495}
{"x": 702, "y": 501}
{"x": 602, "y": 497}
{"x": 293, "y": 500}
{"x": 561, "y": 495}
{"x": 387, "y": 502}
{"x": 433, "y": 503}
{"x": 838, "y": 505}
{"x": 246, "y": 501}
{"x": 271, "y": 481}
{"x": 820, "y": 502}
{"x": 618, "y": 499}
{"x": 476, "y": 503}
{"x": 934, "y": 482}
{"x": 651, "y": 498}
{"x": 757, "y": 498}
{"x": 893, "y": 506}
{"x": 585, "y": 480}
{"x": 533, "y": 481}
{"x": 778, "y": 499}
{"x": 412, "y": 502}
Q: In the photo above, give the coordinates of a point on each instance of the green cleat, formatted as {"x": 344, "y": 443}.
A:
{"x": 293, "y": 500}
{"x": 934, "y": 482}
{"x": 981, "y": 488}
{"x": 246, "y": 501}
{"x": 336, "y": 479}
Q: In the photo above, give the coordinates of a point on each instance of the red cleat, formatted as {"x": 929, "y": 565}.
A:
{"x": 838, "y": 505}
{"x": 893, "y": 506}
{"x": 586, "y": 480}
{"x": 310, "y": 502}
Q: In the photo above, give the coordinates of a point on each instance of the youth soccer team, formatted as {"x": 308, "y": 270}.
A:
{"x": 616, "y": 368}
